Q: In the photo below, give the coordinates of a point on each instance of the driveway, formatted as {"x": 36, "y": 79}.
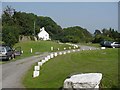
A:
{"x": 13, "y": 72}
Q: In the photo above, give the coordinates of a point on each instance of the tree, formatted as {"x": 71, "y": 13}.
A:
{"x": 97, "y": 32}
{"x": 10, "y": 35}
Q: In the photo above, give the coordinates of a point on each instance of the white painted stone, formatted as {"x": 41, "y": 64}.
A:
{"x": 35, "y": 74}
{"x": 43, "y": 61}
{"x": 64, "y": 52}
{"x": 48, "y": 56}
{"x": 88, "y": 80}
{"x": 113, "y": 47}
{"x": 55, "y": 54}
{"x": 78, "y": 50}
{"x": 36, "y": 68}
{"x": 68, "y": 51}
{"x": 40, "y": 63}
{"x": 73, "y": 50}
{"x": 60, "y": 53}
{"x": 103, "y": 48}
{"x": 46, "y": 59}
{"x": 51, "y": 55}
{"x": 58, "y": 49}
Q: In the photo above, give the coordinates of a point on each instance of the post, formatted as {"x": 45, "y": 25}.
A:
{"x": 51, "y": 48}
{"x": 31, "y": 50}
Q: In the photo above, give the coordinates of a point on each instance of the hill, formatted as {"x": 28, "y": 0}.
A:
{"x": 75, "y": 34}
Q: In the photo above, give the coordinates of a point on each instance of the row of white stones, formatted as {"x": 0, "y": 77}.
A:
{"x": 36, "y": 71}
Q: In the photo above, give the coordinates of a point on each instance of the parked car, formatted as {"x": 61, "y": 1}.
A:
{"x": 115, "y": 44}
{"x": 106, "y": 43}
{"x": 110, "y": 44}
{"x": 6, "y": 52}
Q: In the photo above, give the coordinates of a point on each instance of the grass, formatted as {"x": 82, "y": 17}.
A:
{"x": 37, "y": 46}
{"x": 54, "y": 72}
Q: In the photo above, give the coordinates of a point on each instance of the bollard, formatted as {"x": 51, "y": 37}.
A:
{"x": 64, "y": 48}
{"x": 22, "y": 51}
{"x": 35, "y": 74}
{"x": 51, "y": 48}
{"x": 31, "y": 50}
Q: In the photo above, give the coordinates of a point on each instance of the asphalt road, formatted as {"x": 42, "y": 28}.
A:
{"x": 13, "y": 72}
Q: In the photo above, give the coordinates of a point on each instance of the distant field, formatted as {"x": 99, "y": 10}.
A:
{"x": 54, "y": 72}
{"x": 37, "y": 46}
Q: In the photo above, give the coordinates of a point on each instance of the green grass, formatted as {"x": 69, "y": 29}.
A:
{"x": 54, "y": 72}
{"x": 37, "y": 46}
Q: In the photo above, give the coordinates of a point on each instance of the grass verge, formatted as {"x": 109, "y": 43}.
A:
{"x": 54, "y": 72}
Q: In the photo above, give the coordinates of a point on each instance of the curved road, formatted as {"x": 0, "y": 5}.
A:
{"x": 13, "y": 72}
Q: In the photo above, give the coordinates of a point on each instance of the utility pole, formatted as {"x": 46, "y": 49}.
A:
{"x": 34, "y": 28}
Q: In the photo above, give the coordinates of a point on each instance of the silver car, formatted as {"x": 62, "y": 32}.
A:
{"x": 6, "y": 52}
{"x": 115, "y": 44}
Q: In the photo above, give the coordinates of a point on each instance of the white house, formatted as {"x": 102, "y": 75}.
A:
{"x": 43, "y": 35}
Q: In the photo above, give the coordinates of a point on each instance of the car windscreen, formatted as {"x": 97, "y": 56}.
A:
{"x": 2, "y": 49}
{"x": 8, "y": 48}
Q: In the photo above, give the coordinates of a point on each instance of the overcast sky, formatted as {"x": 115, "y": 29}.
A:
{"x": 89, "y": 15}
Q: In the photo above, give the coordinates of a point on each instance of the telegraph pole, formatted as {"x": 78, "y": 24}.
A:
{"x": 34, "y": 28}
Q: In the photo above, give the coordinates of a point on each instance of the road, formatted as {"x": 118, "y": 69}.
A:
{"x": 13, "y": 72}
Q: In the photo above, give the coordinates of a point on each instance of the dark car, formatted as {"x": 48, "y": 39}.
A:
{"x": 6, "y": 52}
{"x": 106, "y": 43}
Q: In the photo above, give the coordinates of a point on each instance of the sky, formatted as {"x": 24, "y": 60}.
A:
{"x": 89, "y": 15}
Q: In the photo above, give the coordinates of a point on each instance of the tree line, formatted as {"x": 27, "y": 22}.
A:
{"x": 15, "y": 24}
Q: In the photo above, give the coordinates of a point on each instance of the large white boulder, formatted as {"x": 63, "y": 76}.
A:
{"x": 84, "y": 81}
